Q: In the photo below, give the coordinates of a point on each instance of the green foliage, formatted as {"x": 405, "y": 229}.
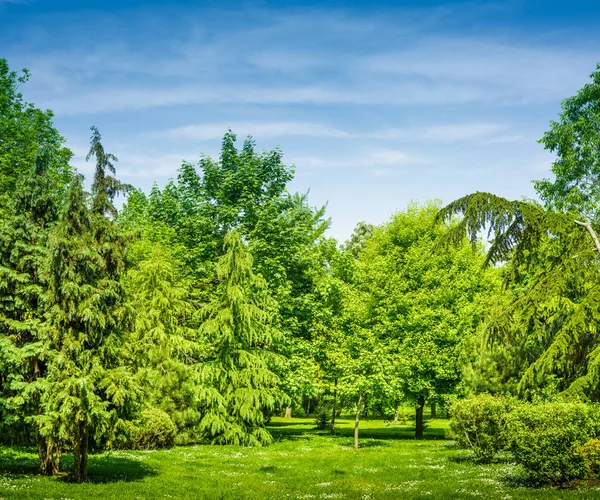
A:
{"x": 480, "y": 424}
{"x": 163, "y": 347}
{"x": 590, "y": 451}
{"x": 155, "y": 430}
{"x": 421, "y": 304}
{"x": 90, "y": 390}
{"x": 545, "y": 439}
{"x": 239, "y": 378}
{"x": 25, "y": 131}
{"x": 553, "y": 272}
{"x": 575, "y": 141}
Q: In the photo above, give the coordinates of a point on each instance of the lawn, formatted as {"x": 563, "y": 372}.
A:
{"x": 302, "y": 463}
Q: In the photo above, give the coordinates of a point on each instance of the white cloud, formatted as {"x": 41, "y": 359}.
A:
{"x": 264, "y": 130}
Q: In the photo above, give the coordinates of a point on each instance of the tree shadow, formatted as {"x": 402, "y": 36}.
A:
{"x": 104, "y": 468}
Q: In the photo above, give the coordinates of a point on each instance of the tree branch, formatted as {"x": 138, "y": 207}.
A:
{"x": 593, "y": 234}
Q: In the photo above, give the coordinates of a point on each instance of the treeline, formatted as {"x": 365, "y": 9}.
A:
{"x": 200, "y": 310}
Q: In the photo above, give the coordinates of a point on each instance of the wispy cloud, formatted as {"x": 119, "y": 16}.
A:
{"x": 452, "y": 132}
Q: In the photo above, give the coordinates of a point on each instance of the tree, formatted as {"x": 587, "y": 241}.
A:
{"x": 556, "y": 311}
{"x": 240, "y": 382}
{"x": 24, "y": 351}
{"x": 90, "y": 390}
{"x": 163, "y": 346}
{"x": 575, "y": 140}
{"x": 25, "y": 131}
{"x": 421, "y": 302}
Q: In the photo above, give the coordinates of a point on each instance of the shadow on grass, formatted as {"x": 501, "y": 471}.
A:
{"x": 296, "y": 430}
{"x": 101, "y": 468}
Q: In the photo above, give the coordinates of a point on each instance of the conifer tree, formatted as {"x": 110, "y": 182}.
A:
{"x": 240, "y": 382}
{"x": 24, "y": 350}
{"x": 90, "y": 389}
{"x": 163, "y": 346}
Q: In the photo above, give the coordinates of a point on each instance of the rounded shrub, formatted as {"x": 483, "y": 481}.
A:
{"x": 546, "y": 439}
{"x": 155, "y": 430}
{"x": 480, "y": 424}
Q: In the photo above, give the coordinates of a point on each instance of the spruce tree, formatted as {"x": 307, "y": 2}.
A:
{"x": 240, "y": 383}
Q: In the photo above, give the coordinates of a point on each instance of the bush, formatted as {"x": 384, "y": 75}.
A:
{"x": 322, "y": 420}
{"x": 590, "y": 452}
{"x": 546, "y": 439}
{"x": 155, "y": 430}
{"x": 479, "y": 424}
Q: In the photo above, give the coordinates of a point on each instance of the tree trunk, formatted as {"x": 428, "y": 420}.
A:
{"x": 77, "y": 456}
{"x": 45, "y": 454}
{"x": 334, "y": 408}
{"x": 308, "y": 407}
{"x": 396, "y": 414}
{"x": 84, "y": 454}
{"x": 419, "y": 418}
{"x": 358, "y": 408}
{"x": 433, "y": 410}
{"x": 288, "y": 413}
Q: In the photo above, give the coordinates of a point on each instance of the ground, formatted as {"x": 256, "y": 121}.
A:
{"x": 301, "y": 464}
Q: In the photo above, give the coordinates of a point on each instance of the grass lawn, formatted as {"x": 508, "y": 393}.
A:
{"x": 302, "y": 463}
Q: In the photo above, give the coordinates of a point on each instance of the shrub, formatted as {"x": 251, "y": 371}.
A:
{"x": 545, "y": 439}
{"x": 479, "y": 424}
{"x": 590, "y": 452}
{"x": 155, "y": 430}
{"x": 322, "y": 420}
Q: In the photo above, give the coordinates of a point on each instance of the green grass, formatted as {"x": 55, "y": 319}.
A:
{"x": 302, "y": 463}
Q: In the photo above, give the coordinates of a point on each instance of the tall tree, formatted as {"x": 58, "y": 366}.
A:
{"x": 90, "y": 389}
{"x": 163, "y": 346}
{"x": 24, "y": 351}
{"x": 241, "y": 384}
{"x": 556, "y": 260}
{"x": 421, "y": 302}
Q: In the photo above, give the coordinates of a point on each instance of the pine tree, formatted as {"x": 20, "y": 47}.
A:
{"x": 240, "y": 383}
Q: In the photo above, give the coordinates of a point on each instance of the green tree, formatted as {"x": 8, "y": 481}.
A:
{"x": 555, "y": 312}
{"x": 423, "y": 303}
{"x": 239, "y": 378}
{"x": 575, "y": 140}
{"x": 90, "y": 390}
{"x": 24, "y": 350}
{"x": 24, "y": 131}
{"x": 163, "y": 346}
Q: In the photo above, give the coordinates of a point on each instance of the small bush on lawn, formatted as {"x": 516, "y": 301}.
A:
{"x": 590, "y": 452}
{"x": 546, "y": 439}
{"x": 479, "y": 424}
{"x": 155, "y": 430}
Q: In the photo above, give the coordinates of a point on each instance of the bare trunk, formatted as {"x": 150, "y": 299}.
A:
{"x": 84, "y": 454}
{"x": 288, "y": 413}
{"x": 433, "y": 410}
{"x": 396, "y": 414}
{"x": 77, "y": 456}
{"x": 358, "y": 408}
{"x": 419, "y": 417}
{"x": 334, "y": 408}
{"x": 308, "y": 407}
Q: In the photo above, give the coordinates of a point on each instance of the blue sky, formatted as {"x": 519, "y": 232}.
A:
{"x": 375, "y": 103}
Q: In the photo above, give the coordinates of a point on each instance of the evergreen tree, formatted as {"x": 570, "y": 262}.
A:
{"x": 163, "y": 346}
{"x": 240, "y": 382}
{"x": 90, "y": 390}
{"x": 24, "y": 351}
